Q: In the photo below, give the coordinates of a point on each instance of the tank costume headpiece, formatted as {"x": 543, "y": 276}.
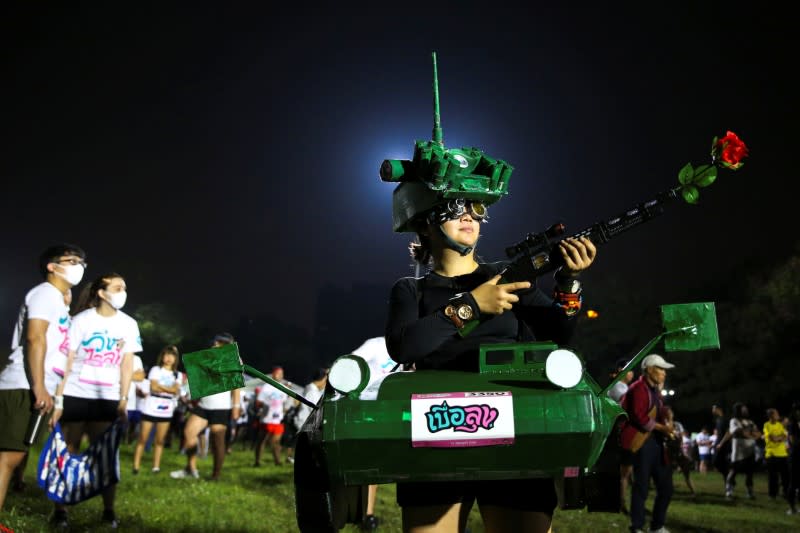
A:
{"x": 440, "y": 184}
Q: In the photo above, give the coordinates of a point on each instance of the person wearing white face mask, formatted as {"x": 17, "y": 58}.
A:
{"x": 94, "y": 392}
{"x": 40, "y": 336}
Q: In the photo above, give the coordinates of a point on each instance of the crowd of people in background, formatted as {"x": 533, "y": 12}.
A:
{"x": 653, "y": 444}
{"x": 80, "y": 370}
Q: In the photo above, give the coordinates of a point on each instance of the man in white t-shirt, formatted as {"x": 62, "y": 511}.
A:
{"x": 40, "y": 334}
{"x": 704, "y": 443}
{"x": 214, "y": 412}
{"x": 271, "y": 405}
{"x": 313, "y": 392}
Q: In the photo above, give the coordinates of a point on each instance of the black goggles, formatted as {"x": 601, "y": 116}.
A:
{"x": 456, "y": 208}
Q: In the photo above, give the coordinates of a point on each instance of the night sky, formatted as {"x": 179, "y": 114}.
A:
{"x": 225, "y": 159}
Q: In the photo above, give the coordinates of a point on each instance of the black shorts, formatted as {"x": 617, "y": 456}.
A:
{"x": 156, "y": 419}
{"x": 89, "y": 410}
{"x": 289, "y": 437}
{"x": 134, "y": 416}
{"x": 530, "y": 495}
{"x": 625, "y": 457}
{"x": 214, "y": 416}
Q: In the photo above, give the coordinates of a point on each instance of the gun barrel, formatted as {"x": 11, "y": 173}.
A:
{"x": 602, "y": 232}
{"x": 538, "y": 253}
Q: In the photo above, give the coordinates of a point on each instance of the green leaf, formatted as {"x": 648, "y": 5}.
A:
{"x": 707, "y": 177}
{"x": 685, "y": 175}
{"x": 690, "y": 194}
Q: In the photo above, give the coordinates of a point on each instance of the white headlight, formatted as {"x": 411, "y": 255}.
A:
{"x": 563, "y": 368}
{"x": 349, "y": 373}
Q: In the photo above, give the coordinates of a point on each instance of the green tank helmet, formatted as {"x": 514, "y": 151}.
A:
{"x": 437, "y": 174}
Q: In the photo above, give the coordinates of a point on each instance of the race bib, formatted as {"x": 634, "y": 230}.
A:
{"x": 462, "y": 419}
{"x": 159, "y": 407}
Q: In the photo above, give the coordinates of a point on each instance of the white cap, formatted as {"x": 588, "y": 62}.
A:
{"x": 655, "y": 360}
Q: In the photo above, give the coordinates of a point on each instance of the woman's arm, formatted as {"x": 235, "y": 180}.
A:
{"x": 410, "y": 337}
{"x": 550, "y": 318}
{"x": 67, "y": 372}
{"x": 59, "y": 395}
{"x": 155, "y": 386}
{"x": 125, "y": 373}
{"x": 236, "y": 406}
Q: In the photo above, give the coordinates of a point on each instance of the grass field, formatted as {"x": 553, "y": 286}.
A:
{"x": 262, "y": 500}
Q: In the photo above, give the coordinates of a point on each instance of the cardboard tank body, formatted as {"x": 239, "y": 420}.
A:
{"x": 533, "y": 410}
{"x": 371, "y": 434}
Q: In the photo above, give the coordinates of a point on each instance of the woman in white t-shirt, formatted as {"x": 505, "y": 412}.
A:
{"x": 94, "y": 392}
{"x": 159, "y": 406}
{"x": 215, "y": 412}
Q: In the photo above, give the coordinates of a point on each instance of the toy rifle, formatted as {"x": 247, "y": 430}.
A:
{"x": 538, "y": 253}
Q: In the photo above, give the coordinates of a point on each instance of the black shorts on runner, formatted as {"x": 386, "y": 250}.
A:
{"x": 156, "y": 419}
{"x": 214, "y": 416}
{"x": 89, "y": 410}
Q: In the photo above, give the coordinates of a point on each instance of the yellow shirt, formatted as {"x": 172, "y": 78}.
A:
{"x": 773, "y": 448}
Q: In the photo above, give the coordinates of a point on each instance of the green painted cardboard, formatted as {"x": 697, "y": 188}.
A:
{"x": 214, "y": 370}
{"x": 703, "y": 336}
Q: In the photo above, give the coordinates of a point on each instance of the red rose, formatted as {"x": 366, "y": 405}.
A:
{"x": 731, "y": 150}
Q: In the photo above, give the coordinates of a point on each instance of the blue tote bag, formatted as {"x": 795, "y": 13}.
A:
{"x": 72, "y": 478}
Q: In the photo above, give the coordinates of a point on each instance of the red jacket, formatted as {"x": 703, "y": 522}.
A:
{"x": 638, "y": 402}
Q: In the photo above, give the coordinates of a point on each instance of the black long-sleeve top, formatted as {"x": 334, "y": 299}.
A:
{"x": 417, "y": 330}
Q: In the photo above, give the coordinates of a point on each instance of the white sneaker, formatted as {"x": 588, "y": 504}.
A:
{"x": 662, "y": 529}
{"x": 290, "y": 459}
{"x": 183, "y": 473}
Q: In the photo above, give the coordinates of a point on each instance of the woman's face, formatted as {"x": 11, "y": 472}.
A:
{"x": 168, "y": 360}
{"x": 116, "y": 285}
{"x": 114, "y": 294}
{"x": 463, "y": 230}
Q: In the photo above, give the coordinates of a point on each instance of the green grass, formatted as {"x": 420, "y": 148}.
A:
{"x": 262, "y": 500}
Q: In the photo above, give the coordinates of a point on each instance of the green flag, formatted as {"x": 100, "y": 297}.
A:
{"x": 214, "y": 370}
{"x": 703, "y": 335}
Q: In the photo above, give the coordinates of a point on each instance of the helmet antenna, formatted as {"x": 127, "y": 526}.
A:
{"x": 437, "y": 124}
